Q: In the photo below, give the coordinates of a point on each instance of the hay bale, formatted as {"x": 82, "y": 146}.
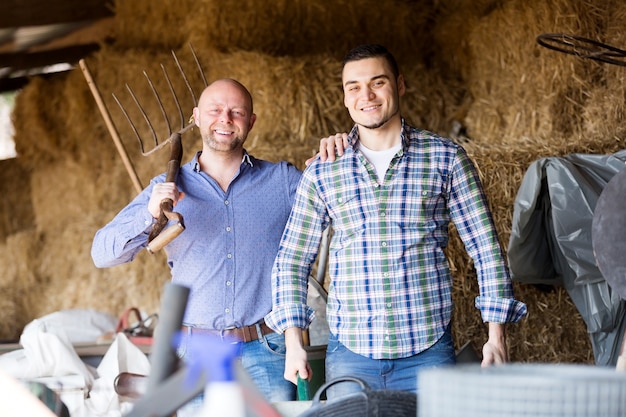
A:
{"x": 16, "y": 212}
{"x": 310, "y": 27}
{"x": 23, "y": 293}
{"x": 153, "y": 24}
{"x": 605, "y": 112}
{"x": 521, "y": 90}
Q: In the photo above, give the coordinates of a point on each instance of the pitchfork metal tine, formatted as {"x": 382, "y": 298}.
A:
{"x": 158, "y": 99}
{"x": 130, "y": 122}
{"x": 182, "y": 72}
{"x": 185, "y": 124}
{"x": 195, "y": 57}
{"x": 147, "y": 119}
{"x": 169, "y": 83}
{"x": 145, "y": 116}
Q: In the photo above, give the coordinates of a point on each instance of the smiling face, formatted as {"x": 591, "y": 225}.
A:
{"x": 372, "y": 92}
{"x": 224, "y": 116}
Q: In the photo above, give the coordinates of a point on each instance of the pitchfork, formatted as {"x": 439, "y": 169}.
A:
{"x": 160, "y": 235}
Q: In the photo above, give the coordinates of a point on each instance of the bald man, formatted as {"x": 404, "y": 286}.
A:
{"x": 235, "y": 208}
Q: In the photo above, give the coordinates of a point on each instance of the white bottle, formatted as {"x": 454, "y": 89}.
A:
{"x": 223, "y": 399}
{"x": 216, "y": 358}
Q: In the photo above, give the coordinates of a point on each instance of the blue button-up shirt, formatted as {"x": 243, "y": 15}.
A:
{"x": 226, "y": 251}
{"x": 390, "y": 283}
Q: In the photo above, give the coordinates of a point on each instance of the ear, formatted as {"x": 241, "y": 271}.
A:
{"x": 252, "y": 120}
{"x": 401, "y": 85}
{"x": 195, "y": 116}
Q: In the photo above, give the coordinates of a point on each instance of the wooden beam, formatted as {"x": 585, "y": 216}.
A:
{"x": 16, "y": 13}
{"x": 12, "y": 84}
{"x": 32, "y": 61}
{"x": 22, "y": 60}
{"x": 15, "y": 83}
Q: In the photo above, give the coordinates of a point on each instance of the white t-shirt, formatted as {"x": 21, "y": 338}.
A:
{"x": 380, "y": 159}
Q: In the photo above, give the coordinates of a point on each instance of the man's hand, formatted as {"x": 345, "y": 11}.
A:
{"x": 331, "y": 147}
{"x": 494, "y": 351}
{"x": 296, "y": 363}
{"x": 160, "y": 192}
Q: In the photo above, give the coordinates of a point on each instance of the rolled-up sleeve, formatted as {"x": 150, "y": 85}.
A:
{"x": 125, "y": 236}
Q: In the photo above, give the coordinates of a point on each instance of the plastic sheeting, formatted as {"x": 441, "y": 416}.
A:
{"x": 550, "y": 240}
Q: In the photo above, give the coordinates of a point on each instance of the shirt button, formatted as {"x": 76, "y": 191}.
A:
{"x": 229, "y": 256}
{"x": 229, "y": 283}
{"x": 386, "y": 274}
{"x": 389, "y": 305}
{"x": 383, "y": 214}
{"x": 226, "y": 202}
{"x": 228, "y": 228}
{"x": 424, "y": 193}
{"x": 376, "y": 185}
{"x": 227, "y": 310}
{"x": 384, "y": 244}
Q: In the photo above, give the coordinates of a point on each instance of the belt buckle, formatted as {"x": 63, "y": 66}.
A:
{"x": 231, "y": 341}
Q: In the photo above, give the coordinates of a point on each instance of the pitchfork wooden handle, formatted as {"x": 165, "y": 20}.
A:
{"x": 159, "y": 237}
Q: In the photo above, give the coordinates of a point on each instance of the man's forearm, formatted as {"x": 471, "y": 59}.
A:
{"x": 497, "y": 333}
{"x": 296, "y": 362}
{"x": 495, "y": 351}
{"x": 293, "y": 338}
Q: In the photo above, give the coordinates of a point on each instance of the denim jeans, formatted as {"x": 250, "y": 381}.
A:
{"x": 394, "y": 374}
{"x": 264, "y": 361}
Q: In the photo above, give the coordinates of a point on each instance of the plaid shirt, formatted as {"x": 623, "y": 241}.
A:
{"x": 390, "y": 290}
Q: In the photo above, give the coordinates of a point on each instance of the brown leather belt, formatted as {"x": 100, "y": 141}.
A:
{"x": 242, "y": 334}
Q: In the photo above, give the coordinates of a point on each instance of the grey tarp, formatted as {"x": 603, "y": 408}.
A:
{"x": 550, "y": 240}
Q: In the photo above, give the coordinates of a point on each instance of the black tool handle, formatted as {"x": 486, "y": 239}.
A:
{"x": 163, "y": 358}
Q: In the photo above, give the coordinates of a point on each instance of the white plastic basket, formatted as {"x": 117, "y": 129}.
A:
{"x": 516, "y": 390}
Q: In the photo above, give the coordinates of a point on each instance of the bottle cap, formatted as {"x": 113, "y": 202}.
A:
{"x": 211, "y": 355}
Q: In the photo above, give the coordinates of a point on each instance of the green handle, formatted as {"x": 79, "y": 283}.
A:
{"x": 304, "y": 393}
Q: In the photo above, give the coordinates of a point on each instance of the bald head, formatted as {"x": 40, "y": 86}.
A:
{"x": 232, "y": 87}
{"x": 224, "y": 115}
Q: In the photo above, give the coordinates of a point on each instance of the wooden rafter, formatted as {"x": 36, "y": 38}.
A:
{"x": 19, "y": 13}
{"x": 70, "y": 54}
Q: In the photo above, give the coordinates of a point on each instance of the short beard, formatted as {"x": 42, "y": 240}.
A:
{"x": 210, "y": 141}
{"x": 381, "y": 123}
{"x": 375, "y": 126}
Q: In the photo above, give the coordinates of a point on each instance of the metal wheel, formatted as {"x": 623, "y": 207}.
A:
{"x": 583, "y": 47}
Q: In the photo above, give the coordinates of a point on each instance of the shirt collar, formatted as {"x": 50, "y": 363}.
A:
{"x": 247, "y": 159}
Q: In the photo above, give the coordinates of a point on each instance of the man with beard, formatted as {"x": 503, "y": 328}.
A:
{"x": 389, "y": 200}
{"x": 235, "y": 208}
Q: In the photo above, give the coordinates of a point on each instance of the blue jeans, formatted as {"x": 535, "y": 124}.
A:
{"x": 393, "y": 374}
{"x": 264, "y": 361}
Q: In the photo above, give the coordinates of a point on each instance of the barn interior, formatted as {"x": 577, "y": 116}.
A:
{"x": 475, "y": 73}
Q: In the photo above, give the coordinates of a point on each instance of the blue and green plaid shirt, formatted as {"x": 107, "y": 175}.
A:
{"x": 390, "y": 283}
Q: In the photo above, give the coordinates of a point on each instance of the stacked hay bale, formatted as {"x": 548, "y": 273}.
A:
{"x": 470, "y": 62}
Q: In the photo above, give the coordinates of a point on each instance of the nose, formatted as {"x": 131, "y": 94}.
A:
{"x": 367, "y": 93}
{"x": 226, "y": 117}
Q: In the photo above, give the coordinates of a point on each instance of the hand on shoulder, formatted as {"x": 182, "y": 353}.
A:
{"x": 331, "y": 147}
